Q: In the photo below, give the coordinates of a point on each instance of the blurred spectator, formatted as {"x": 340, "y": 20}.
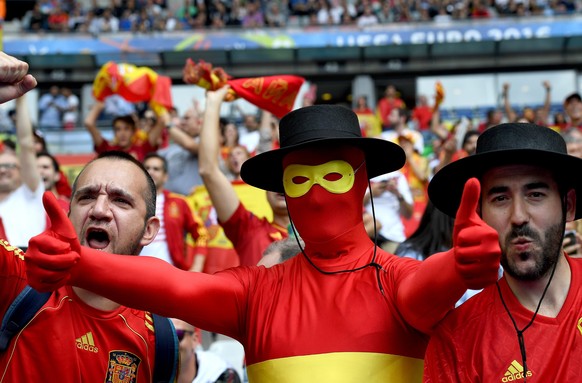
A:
{"x": 369, "y": 122}
{"x": 559, "y": 121}
{"x": 50, "y": 174}
{"x": 58, "y": 19}
{"x": 573, "y": 109}
{"x": 249, "y": 135}
{"x": 276, "y": 16}
{"x": 177, "y": 222}
{"x": 197, "y": 365}
{"x": 107, "y": 23}
{"x": 398, "y": 127}
{"x": 35, "y": 20}
{"x": 125, "y": 134}
{"x": 392, "y": 200}
{"x": 70, "y": 108}
{"x": 63, "y": 187}
{"x": 385, "y": 105}
{"x": 50, "y": 106}
{"x": 254, "y": 15}
{"x": 492, "y": 117}
{"x": 528, "y": 114}
{"x": 182, "y": 153}
{"x": 21, "y": 187}
{"x": 422, "y": 114}
{"x": 367, "y": 18}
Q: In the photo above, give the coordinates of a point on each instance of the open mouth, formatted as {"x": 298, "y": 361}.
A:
{"x": 97, "y": 238}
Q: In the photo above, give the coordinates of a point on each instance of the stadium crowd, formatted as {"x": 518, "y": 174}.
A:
{"x": 162, "y": 15}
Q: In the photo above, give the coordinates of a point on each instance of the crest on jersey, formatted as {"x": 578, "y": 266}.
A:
{"x": 122, "y": 367}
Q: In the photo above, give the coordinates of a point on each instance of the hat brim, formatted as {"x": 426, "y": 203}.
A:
{"x": 265, "y": 170}
{"x": 446, "y": 187}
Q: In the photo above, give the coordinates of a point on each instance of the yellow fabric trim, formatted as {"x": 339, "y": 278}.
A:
{"x": 344, "y": 367}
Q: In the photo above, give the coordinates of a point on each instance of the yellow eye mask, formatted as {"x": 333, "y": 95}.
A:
{"x": 298, "y": 179}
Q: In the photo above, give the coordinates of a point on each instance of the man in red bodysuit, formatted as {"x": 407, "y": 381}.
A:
{"x": 342, "y": 310}
{"x": 527, "y": 327}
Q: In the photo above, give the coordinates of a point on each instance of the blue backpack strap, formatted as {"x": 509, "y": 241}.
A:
{"x": 20, "y": 312}
{"x": 166, "y": 362}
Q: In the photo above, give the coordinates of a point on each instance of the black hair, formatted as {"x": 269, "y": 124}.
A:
{"x": 433, "y": 234}
{"x": 161, "y": 158}
{"x": 52, "y": 158}
{"x": 149, "y": 194}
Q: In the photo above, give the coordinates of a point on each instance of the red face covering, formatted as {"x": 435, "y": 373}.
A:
{"x": 320, "y": 215}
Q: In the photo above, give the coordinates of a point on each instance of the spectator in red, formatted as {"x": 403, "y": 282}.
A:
{"x": 177, "y": 220}
{"x": 50, "y": 174}
{"x": 469, "y": 145}
{"x": 385, "y": 105}
{"x": 573, "y": 108}
{"x": 422, "y": 113}
{"x": 125, "y": 132}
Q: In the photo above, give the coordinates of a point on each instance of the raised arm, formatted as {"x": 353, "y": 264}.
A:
{"x": 425, "y": 297}
{"x": 224, "y": 198}
{"x": 26, "y": 154}
{"x": 14, "y": 78}
{"x": 155, "y": 134}
{"x": 91, "y": 122}
{"x": 509, "y": 112}
{"x": 55, "y": 258}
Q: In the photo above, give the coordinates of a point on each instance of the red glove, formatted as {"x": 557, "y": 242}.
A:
{"x": 52, "y": 254}
{"x": 475, "y": 244}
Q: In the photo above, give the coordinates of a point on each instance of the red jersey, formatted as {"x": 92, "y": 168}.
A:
{"x": 180, "y": 220}
{"x": 138, "y": 149}
{"x": 478, "y": 343}
{"x": 69, "y": 341}
{"x": 250, "y": 235}
{"x": 422, "y": 114}
{"x": 385, "y": 106}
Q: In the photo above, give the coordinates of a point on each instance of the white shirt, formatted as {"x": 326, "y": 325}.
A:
{"x": 23, "y": 215}
{"x": 159, "y": 247}
{"x": 387, "y": 207}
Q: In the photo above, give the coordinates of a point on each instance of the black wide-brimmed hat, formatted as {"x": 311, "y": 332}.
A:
{"x": 320, "y": 126}
{"x": 507, "y": 144}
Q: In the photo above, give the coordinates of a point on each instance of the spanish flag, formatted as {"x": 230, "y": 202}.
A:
{"x": 135, "y": 84}
{"x": 275, "y": 94}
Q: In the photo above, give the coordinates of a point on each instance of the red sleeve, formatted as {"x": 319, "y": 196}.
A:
{"x": 103, "y": 147}
{"x": 12, "y": 274}
{"x": 215, "y": 302}
{"x": 428, "y": 294}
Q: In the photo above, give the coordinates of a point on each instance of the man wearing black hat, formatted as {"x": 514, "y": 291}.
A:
{"x": 529, "y": 325}
{"x": 343, "y": 310}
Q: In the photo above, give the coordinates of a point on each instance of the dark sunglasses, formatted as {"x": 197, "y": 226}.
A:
{"x": 180, "y": 334}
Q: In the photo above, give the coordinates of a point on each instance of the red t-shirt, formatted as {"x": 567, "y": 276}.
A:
{"x": 422, "y": 114}
{"x": 69, "y": 341}
{"x": 478, "y": 343}
{"x": 250, "y": 235}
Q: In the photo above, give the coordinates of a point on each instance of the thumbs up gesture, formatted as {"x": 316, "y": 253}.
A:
{"x": 52, "y": 254}
{"x": 475, "y": 244}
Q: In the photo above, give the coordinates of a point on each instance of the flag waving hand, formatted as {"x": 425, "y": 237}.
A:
{"x": 275, "y": 94}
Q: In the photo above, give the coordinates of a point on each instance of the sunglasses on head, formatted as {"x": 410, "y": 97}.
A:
{"x": 180, "y": 334}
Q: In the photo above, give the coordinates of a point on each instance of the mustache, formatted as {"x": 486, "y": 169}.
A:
{"x": 523, "y": 231}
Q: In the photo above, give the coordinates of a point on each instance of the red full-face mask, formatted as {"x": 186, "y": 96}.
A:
{"x": 325, "y": 189}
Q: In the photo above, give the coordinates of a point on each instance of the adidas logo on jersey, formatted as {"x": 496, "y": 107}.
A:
{"x": 515, "y": 373}
{"x": 87, "y": 343}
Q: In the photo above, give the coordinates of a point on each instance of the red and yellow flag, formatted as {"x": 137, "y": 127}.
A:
{"x": 275, "y": 94}
{"x": 135, "y": 84}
